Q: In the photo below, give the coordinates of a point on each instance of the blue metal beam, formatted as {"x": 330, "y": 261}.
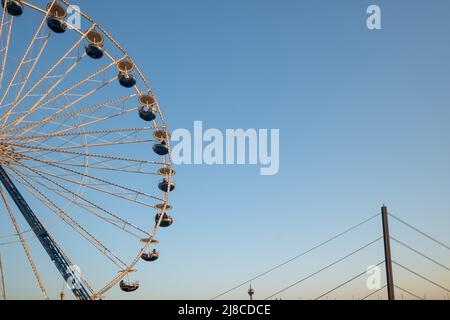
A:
{"x": 56, "y": 255}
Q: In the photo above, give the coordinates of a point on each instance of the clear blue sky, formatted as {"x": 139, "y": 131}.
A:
{"x": 363, "y": 118}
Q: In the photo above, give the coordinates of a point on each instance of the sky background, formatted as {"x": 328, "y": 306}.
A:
{"x": 363, "y": 118}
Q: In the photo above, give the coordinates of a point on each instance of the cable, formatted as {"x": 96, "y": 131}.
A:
{"x": 421, "y": 254}
{"x": 297, "y": 256}
{"x": 346, "y": 282}
{"x": 325, "y": 268}
{"x": 408, "y": 292}
{"x": 421, "y": 232}
{"x": 422, "y": 277}
{"x": 372, "y": 293}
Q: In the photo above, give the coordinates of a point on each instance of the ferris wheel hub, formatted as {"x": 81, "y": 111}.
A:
{"x": 7, "y": 153}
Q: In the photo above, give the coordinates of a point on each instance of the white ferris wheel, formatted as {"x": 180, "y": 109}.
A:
{"x": 85, "y": 159}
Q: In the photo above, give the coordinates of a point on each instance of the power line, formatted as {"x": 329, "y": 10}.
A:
{"x": 422, "y": 277}
{"x": 326, "y": 267}
{"x": 408, "y": 292}
{"x": 372, "y": 293}
{"x": 297, "y": 256}
{"x": 421, "y": 232}
{"x": 346, "y": 282}
{"x": 421, "y": 254}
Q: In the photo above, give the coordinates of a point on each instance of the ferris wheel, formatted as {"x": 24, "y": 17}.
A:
{"x": 85, "y": 159}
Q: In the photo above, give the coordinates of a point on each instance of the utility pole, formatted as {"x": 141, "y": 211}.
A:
{"x": 387, "y": 254}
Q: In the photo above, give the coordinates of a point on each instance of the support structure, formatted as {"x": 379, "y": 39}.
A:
{"x": 24, "y": 245}
{"x": 387, "y": 254}
{"x": 2, "y": 282}
{"x": 56, "y": 255}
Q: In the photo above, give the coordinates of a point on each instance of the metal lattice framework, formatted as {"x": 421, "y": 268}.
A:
{"x": 2, "y": 282}
{"x": 76, "y": 144}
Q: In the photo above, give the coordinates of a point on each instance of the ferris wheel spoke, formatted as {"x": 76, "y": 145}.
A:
{"x": 96, "y": 136}
{"x": 70, "y": 221}
{"x": 22, "y": 181}
{"x": 108, "y": 104}
{"x": 2, "y": 21}
{"x": 67, "y": 91}
{"x": 36, "y": 107}
{"x": 107, "y": 144}
{"x": 89, "y": 186}
{"x": 60, "y": 177}
{"x": 95, "y": 167}
{"x": 39, "y": 135}
{"x": 55, "y": 85}
{"x": 24, "y": 245}
{"x": 126, "y": 168}
{"x": 125, "y": 272}
{"x": 53, "y": 68}
{"x": 89, "y": 123}
{"x": 106, "y": 182}
{"x": 32, "y": 6}
{"x": 46, "y": 92}
{"x": 6, "y": 49}
{"x": 88, "y": 236}
{"x": 38, "y": 104}
{"x": 51, "y": 159}
{"x": 62, "y": 192}
{"x": 90, "y": 145}
{"x": 19, "y": 67}
{"x": 32, "y": 68}
{"x": 88, "y": 155}
{"x": 25, "y": 55}
{"x": 95, "y": 139}
{"x": 65, "y": 165}
{"x": 53, "y": 142}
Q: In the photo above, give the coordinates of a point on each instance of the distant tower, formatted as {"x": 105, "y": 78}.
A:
{"x": 2, "y": 283}
{"x": 251, "y": 292}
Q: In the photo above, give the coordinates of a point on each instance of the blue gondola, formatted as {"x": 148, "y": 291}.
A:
{"x": 166, "y": 220}
{"x": 164, "y": 185}
{"x": 150, "y": 257}
{"x": 13, "y": 7}
{"x": 95, "y": 51}
{"x": 127, "y": 80}
{"x": 57, "y": 25}
{"x": 161, "y": 148}
{"x": 147, "y": 114}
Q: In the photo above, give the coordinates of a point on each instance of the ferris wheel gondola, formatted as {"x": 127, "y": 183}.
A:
{"x": 56, "y": 16}
{"x": 150, "y": 257}
{"x": 13, "y": 7}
